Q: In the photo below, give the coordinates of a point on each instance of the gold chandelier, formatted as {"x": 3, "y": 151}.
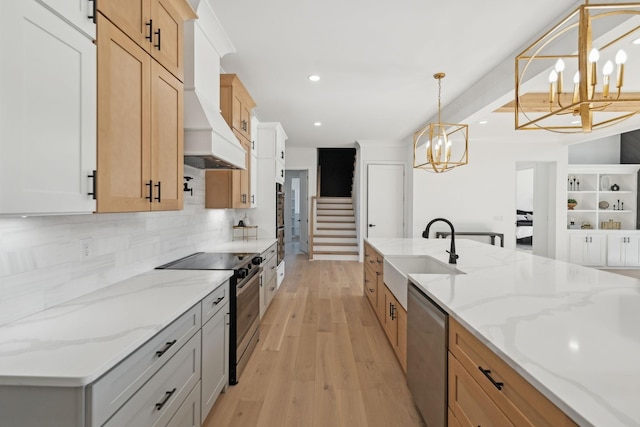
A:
{"x": 437, "y": 143}
{"x": 597, "y": 98}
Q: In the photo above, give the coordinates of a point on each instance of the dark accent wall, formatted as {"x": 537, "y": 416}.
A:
{"x": 630, "y": 147}
{"x": 336, "y": 171}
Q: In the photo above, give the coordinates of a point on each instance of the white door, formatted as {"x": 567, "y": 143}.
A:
{"x": 385, "y": 201}
{"x": 304, "y": 211}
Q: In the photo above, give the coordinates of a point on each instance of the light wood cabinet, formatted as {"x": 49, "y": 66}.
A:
{"x": 47, "y": 110}
{"x": 268, "y": 279}
{"x": 232, "y": 188}
{"x": 478, "y": 377}
{"x": 154, "y": 25}
{"x": 140, "y": 128}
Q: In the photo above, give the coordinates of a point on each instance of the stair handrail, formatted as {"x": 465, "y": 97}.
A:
{"x": 312, "y": 225}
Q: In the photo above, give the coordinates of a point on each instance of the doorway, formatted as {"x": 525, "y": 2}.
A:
{"x": 385, "y": 200}
{"x": 296, "y": 208}
{"x": 535, "y": 207}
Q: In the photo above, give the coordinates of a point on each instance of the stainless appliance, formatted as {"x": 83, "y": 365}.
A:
{"x": 427, "y": 334}
{"x": 244, "y": 300}
{"x": 280, "y": 221}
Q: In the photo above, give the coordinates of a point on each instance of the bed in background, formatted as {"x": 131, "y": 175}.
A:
{"x": 524, "y": 227}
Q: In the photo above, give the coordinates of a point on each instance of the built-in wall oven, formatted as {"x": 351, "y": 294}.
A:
{"x": 244, "y": 301}
{"x": 280, "y": 221}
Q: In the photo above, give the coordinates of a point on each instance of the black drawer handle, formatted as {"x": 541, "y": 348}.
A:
{"x": 159, "y": 187}
{"x": 150, "y": 185}
{"x": 93, "y": 12}
{"x": 370, "y": 290}
{"x": 94, "y": 177}
{"x": 167, "y": 396}
{"x": 487, "y": 373}
{"x": 166, "y": 347}
{"x": 150, "y": 25}
{"x": 157, "y": 33}
{"x": 216, "y": 302}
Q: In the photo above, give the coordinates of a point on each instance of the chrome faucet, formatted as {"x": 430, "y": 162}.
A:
{"x": 452, "y": 251}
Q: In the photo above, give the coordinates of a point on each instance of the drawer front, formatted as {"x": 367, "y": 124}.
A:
{"x": 270, "y": 252}
{"x": 213, "y": 302}
{"x": 280, "y": 273}
{"x": 371, "y": 287}
{"x": 112, "y": 390}
{"x": 188, "y": 415}
{"x": 269, "y": 270}
{"x": 519, "y": 400}
{"x": 156, "y": 403}
{"x": 468, "y": 401}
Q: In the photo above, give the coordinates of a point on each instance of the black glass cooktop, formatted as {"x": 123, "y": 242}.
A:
{"x": 210, "y": 261}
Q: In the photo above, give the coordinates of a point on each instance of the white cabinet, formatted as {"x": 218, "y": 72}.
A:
{"x": 272, "y": 137}
{"x": 623, "y": 250}
{"x": 255, "y": 166}
{"x": 215, "y": 348}
{"x": 79, "y": 13}
{"x": 268, "y": 279}
{"x": 47, "y": 112}
{"x": 588, "y": 249}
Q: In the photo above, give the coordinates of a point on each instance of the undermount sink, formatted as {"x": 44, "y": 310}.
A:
{"x": 397, "y": 268}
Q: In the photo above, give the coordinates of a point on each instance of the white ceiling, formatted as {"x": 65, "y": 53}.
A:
{"x": 376, "y": 60}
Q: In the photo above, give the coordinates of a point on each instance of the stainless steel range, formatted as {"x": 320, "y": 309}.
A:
{"x": 244, "y": 301}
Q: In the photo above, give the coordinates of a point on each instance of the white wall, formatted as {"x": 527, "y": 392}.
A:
{"x": 481, "y": 195}
{"x": 304, "y": 158}
{"x": 40, "y": 257}
{"x": 524, "y": 189}
{"x": 600, "y": 151}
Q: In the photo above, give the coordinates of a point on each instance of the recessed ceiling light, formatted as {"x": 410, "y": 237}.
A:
{"x": 314, "y": 77}
{"x": 317, "y": 124}
{"x": 483, "y": 122}
{"x": 636, "y": 41}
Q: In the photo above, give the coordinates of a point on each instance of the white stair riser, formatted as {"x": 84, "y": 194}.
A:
{"x": 351, "y": 240}
{"x": 335, "y": 248}
{"x": 334, "y": 206}
{"x": 334, "y": 200}
{"x": 331, "y": 218}
{"x": 347, "y": 225}
{"x": 320, "y": 233}
{"x": 341, "y": 212}
{"x": 333, "y": 257}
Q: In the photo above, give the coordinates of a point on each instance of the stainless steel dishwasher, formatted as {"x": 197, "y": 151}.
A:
{"x": 427, "y": 330}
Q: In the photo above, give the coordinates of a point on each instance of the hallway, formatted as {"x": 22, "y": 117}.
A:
{"x": 322, "y": 359}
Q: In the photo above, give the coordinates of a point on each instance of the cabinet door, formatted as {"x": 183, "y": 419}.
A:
{"x": 371, "y": 287}
{"x": 245, "y": 176}
{"x": 596, "y": 251}
{"x": 167, "y": 138}
{"x": 215, "y": 358}
{"x": 616, "y": 251}
{"x": 253, "y": 187}
{"x": 132, "y": 17}
{"x": 123, "y": 122}
{"x": 166, "y": 46}
{"x": 577, "y": 245}
{"x": 632, "y": 251}
{"x": 79, "y": 13}
{"x": 47, "y": 112}
{"x": 401, "y": 347}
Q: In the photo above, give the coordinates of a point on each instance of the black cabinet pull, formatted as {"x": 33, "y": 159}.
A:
{"x": 282, "y": 154}
{"x": 94, "y": 191}
{"x": 150, "y": 196}
{"x": 487, "y": 373}
{"x": 393, "y": 312}
{"x": 167, "y": 396}
{"x": 164, "y": 349}
{"x": 370, "y": 290}
{"x": 157, "y": 33}
{"x": 244, "y": 125}
{"x": 216, "y": 302}
{"x": 159, "y": 187}
{"x": 93, "y": 11}
{"x": 253, "y": 199}
{"x": 282, "y": 173}
{"x": 150, "y": 25}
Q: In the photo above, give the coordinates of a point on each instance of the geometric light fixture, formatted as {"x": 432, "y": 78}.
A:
{"x": 440, "y": 147}
{"x": 583, "y": 59}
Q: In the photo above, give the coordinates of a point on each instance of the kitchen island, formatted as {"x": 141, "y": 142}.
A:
{"x": 572, "y": 332}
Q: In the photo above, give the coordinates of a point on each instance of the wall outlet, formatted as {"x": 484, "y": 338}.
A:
{"x": 85, "y": 245}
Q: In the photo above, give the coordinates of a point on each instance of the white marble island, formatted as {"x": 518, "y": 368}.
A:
{"x": 571, "y": 331}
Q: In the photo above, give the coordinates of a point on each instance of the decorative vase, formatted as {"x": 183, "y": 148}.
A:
{"x": 615, "y": 187}
{"x": 571, "y": 206}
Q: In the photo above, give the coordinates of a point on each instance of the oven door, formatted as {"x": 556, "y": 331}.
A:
{"x": 247, "y": 319}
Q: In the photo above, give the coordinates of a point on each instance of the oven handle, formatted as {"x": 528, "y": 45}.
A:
{"x": 242, "y": 288}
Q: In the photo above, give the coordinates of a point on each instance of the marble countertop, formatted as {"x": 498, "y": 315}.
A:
{"x": 251, "y": 245}
{"x": 72, "y": 344}
{"x": 573, "y": 332}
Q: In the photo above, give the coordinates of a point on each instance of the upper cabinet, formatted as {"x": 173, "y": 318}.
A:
{"x": 47, "y": 108}
{"x": 236, "y": 105}
{"x": 154, "y": 25}
{"x": 272, "y": 139}
{"x": 232, "y": 188}
{"x": 140, "y": 123}
{"x": 79, "y": 13}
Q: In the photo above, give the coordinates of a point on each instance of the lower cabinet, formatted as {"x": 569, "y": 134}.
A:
{"x": 215, "y": 358}
{"x": 484, "y": 390}
{"x": 623, "y": 251}
{"x": 268, "y": 279}
{"x": 188, "y": 415}
{"x": 588, "y": 249}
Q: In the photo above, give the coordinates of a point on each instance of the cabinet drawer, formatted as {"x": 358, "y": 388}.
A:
{"x": 280, "y": 273}
{"x": 156, "y": 403}
{"x": 188, "y": 415}
{"x": 371, "y": 287}
{"x": 519, "y": 400}
{"x": 270, "y": 252}
{"x": 469, "y": 403}
{"x": 269, "y": 270}
{"x": 112, "y": 390}
{"x": 213, "y": 302}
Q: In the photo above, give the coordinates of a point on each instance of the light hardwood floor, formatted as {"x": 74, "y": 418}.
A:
{"x": 322, "y": 359}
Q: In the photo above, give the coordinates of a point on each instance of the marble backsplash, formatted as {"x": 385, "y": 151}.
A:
{"x": 42, "y": 261}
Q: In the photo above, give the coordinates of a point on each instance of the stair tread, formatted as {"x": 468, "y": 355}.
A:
{"x": 334, "y": 244}
{"x": 336, "y": 228}
{"x": 335, "y": 253}
{"x": 335, "y": 236}
{"x": 337, "y": 222}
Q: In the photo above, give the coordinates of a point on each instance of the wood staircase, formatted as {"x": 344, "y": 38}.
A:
{"x": 334, "y": 230}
